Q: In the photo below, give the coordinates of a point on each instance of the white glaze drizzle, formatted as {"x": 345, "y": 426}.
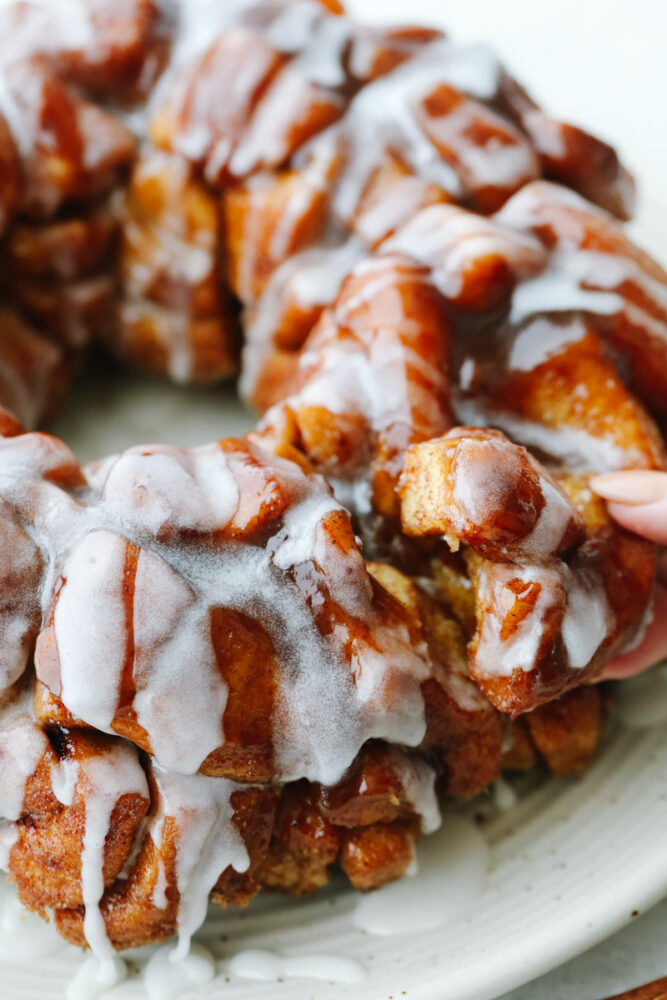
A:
{"x": 311, "y": 279}
{"x": 369, "y": 374}
{"x": 449, "y": 240}
{"x": 230, "y": 578}
{"x": 484, "y": 473}
{"x": 105, "y": 779}
{"x": 577, "y": 277}
{"x": 574, "y": 447}
{"x": 418, "y": 780}
{"x": 208, "y": 842}
{"x": 94, "y": 978}
{"x": 167, "y": 976}
{"x": 498, "y": 657}
{"x": 267, "y": 966}
{"x": 452, "y": 873}
{"x": 576, "y": 597}
{"x": 22, "y": 745}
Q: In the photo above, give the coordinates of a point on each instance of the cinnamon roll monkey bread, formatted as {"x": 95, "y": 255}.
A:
{"x": 240, "y": 665}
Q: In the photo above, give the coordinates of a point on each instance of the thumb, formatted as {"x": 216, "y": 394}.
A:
{"x": 637, "y": 500}
{"x": 653, "y": 647}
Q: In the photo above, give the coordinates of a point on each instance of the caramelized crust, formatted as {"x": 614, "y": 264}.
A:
{"x": 377, "y": 854}
{"x": 46, "y": 861}
{"x": 173, "y": 316}
{"x": 567, "y": 732}
{"x": 126, "y": 43}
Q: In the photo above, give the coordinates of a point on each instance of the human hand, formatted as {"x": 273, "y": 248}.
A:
{"x": 638, "y": 501}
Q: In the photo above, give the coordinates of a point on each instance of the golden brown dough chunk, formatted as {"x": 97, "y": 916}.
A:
{"x": 570, "y": 155}
{"x": 386, "y": 319}
{"x": 475, "y": 487}
{"x": 174, "y": 316}
{"x": 267, "y": 220}
{"x": 542, "y": 630}
{"x": 276, "y": 674}
{"x": 463, "y": 731}
{"x": 392, "y": 195}
{"x": 374, "y": 855}
{"x": 144, "y": 906}
{"x": 65, "y": 249}
{"x": 623, "y": 287}
{"x": 46, "y": 861}
{"x": 567, "y": 732}
{"x": 32, "y": 373}
{"x": 126, "y": 43}
{"x": 465, "y": 133}
{"x": 566, "y": 398}
{"x": 78, "y": 151}
{"x": 9, "y": 175}
{"x": 304, "y": 845}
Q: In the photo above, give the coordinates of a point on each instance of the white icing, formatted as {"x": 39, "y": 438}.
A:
{"x": 24, "y": 936}
{"x": 22, "y": 745}
{"x": 267, "y": 137}
{"x": 418, "y": 780}
{"x": 576, "y": 595}
{"x": 504, "y": 796}
{"x": 588, "y": 618}
{"x": 92, "y": 647}
{"x": 167, "y": 976}
{"x": 64, "y": 776}
{"x": 164, "y": 642}
{"x": 208, "y": 842}
{"x": 551, "y": 524}
{"x": 369, "y": 374}
{"x": 105, "y": 779}
{"x": 310, "y": 279}
{"x": 450, "y": 240}
{"x": 578, "y": 278}
{"x": 496, "y": 656}
{"x": 382, "y": 117}
{"x": 577, "y": 449}
{"x": 95, "y": 978}
{"x": 559, "y": 289}
{"x": 485, "y": 473}
{"x": 48, "y": 25}
{"x": 317, "y": 39}
{"x": 267, "y": 966}
{"x": 541, "y": 339}
{"x": 159, "y": 896}
{"x": 452, "y": 874}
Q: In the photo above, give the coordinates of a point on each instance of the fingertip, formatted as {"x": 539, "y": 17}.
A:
{"x": 648, "y": 520}
{"x": 633, "y": 487}
{"x": 652, "y": 649}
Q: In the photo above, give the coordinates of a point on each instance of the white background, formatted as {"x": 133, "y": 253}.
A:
{"x": 602, "y": 65}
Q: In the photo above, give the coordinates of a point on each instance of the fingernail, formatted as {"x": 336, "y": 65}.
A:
{"x": 635, "y": 487}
